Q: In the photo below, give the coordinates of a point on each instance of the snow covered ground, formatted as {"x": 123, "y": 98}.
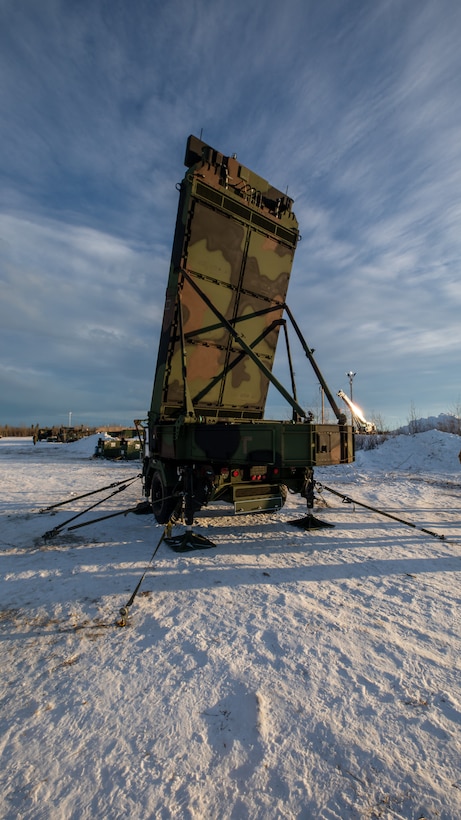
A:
{"x": 282, "y": 674}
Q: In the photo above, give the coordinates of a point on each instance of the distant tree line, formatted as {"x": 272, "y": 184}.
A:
{"x": 13, "y": 431}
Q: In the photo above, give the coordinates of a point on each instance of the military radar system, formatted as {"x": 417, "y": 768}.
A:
{"x": 206, "y": 438}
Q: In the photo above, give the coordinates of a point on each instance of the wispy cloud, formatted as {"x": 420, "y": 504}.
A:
{"x": 354, "y": 107}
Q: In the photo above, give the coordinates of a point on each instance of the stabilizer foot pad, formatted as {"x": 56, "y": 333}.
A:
{"x": 309, "y": 522}
{"x": 189, "y": 541}
{"x": 143, "y": 508}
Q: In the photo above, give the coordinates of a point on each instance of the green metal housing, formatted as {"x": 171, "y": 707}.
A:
{"x": 206, "y": 437}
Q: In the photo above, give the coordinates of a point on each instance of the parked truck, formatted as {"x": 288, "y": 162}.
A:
{"x": 206, "y": 437}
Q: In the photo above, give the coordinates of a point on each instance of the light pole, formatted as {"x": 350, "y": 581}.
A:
{"x": 350, "y": 375}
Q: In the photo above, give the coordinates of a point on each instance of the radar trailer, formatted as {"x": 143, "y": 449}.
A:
{"x": 206, "y": 438}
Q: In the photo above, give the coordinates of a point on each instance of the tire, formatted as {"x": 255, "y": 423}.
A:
{"x": 163, "y": 502}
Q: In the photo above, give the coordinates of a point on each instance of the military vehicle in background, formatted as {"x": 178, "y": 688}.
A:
{"x": 61, "y": 434}
{"x": 119, "y": 445}
{"x": 206, "y": 437}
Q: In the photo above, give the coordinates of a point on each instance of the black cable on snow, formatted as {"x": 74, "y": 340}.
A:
{"x": 348, "y": 500}
{"x": 92, "y": 492}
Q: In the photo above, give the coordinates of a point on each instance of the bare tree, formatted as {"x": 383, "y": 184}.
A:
{"x": 455, "y": 418}
{"x": 413, "y": 421}
{"x": 380, "y": 424}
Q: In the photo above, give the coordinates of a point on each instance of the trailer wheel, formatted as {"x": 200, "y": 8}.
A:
{"x": 164, "y": 502}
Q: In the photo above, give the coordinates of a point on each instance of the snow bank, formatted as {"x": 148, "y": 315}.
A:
{"x": 432, "y": 451}
{"x": 87, "y": 445}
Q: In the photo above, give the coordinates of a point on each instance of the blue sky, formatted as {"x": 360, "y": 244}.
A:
{"x": 355, "y": 107}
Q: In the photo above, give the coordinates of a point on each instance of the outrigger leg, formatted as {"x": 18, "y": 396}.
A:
{"x": 189, "y": 540}
{"x": 309, "y": 521}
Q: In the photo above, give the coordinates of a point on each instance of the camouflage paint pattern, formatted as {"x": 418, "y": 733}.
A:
{"x": 235, "y": 237}
{"x": 206, "y": 437}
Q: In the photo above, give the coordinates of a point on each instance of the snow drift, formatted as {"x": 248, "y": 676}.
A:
{"x": 284, "y": 674}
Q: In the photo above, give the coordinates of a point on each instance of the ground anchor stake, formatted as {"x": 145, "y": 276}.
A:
{"x": 124, "y": 611}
